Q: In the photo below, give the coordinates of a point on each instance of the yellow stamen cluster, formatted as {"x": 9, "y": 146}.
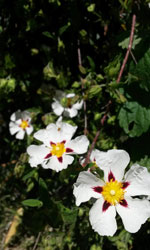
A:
{"x": 24, "y": 124}
{"x": 58, "y": 149}
{"x": 113, "y": 192}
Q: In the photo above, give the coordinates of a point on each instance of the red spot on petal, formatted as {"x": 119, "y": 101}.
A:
{"x": 123, "y": 203}
{"x": 69, "y": 150}
{"x": 60, "y": 159}
{"x": 111, "y": 176}
{"x": 64, "y": 141}
{"x": 52, "y": 143}
{"x": 125, "y": 184}
{"x": 98, "y": 189}
{"x": 48, "y": 156}
{"x": 106, "y": 205}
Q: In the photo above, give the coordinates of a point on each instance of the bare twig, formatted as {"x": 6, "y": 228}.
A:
{"x": 128, "y": 49}
{"x": 102, "y": 121}
{"x": 82, "y": 85}
{"x": 37, "y": 240}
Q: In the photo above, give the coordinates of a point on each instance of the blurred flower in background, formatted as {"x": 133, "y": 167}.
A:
{"x": 20, "y": 124}
{"x": 66, "y": 104}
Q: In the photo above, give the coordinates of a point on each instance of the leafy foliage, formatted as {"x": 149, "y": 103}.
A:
{"x": 40, "y": 43}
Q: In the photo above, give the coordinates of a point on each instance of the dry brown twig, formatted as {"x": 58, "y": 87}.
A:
{"x": 103, "y": 119}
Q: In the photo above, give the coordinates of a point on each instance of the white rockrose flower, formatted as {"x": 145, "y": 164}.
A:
{"x": 57, "y": 148}
{"x": 114, "y": 193}
{"x": 20, "y": 124}
{"x": 69, "y": 109}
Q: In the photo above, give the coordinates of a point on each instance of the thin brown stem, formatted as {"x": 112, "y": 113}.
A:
{"x": 82, "y": 86}
{"x": 128, "y": 49}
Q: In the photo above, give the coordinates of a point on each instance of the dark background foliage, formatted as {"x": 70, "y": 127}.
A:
{"x": 39, "y": 45}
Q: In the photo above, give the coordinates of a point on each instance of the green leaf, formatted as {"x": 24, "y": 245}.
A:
{"x": 125, "y": 43}
{"x": 48, "y": 34}
{"x": 32, "y": 203}
{"x": 134, "y": 119}
{"x": 142, "y": 71}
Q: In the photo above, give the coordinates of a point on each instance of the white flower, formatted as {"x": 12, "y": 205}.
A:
{"x": 70, "y": 109}
{"x": 20, "y": 124}
{"x": 57, "y": 146}
{"x": 114, "y": 193}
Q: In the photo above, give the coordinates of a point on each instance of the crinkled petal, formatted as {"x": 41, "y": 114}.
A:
{"x": 136, "y": 214}
{"x": 83, "y": 188}
{"x": 79, "y": 144}
{"x": 78, "y": 105}
{"x": 139, "y": 181}
{"x": 20, "y": 135}
{"x": 55, "y": 164}
{"x": 29, "y": 129}
{"x": 13, "y": 128}
{"x": 37, "y": 154}
{"x": 113, "y": 160}
{"x": 104, "y": 223}
{"x": 70, "y": 112}
{"x": 25, "y": 115}
{"x": 57, "y": 108}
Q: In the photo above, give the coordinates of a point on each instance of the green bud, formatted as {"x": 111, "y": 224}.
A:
{"x": 81, "y": 212}
{"x": 95, "y": 90}
{"x": 97, "y": 116}
{"x": 99, "y": 78}
{"x": 111, "y": 120}
{"x": 83, "y": 33}
{"x": 48, "y": 71}
{"x": 76, "y": 85}
{"x": 91, "y": 7}
{"x": 34, "y": 51}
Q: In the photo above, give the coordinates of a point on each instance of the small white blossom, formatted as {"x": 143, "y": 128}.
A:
{"x": 70, "y": 109}
{"x": 20, "y": 124}
{"x": 57, "y": 148}
{"x": 114, "y": 193}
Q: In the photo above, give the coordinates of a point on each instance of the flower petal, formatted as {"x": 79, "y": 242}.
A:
{"x": 37, "y": 154}
{"x": 104, "y": 223}
{"x": 70, "y": 112}
{"x": 139, "y": 181}
{"x": 78, "y": 105}
{"x": 29, "y": 129}
{"x": 113, "y": 160}
{"x": 57, "y": 165}
{"x": 57, "y": 108}
{"x": 20, "y": 134}
{"x": 79, "y": 144}
{"x": 25, "y": 115}
{"x": 84, "y": 187}
{"x": 13, "y": 128}
{"x": 133, "y": 216}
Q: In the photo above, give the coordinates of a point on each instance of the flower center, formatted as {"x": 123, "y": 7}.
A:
{"x": 69, "y": 102}
{"x": 58, "y": 149}
{"x": 24, "y": 124}
{"x": 113, "y": 192}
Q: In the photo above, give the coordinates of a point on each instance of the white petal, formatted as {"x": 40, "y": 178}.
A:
{"x": 94, "y": 155}
{"x": 133, "y": 216}
{"x": 78, "y": 105}
{"x": 113, "y": 160}
{"x": 79, "y": 144}
{"x": 20, "y": 134}
{"x": 25, "y": 115}
{"x": 37, "y": 154}
{"x": 29, "y": 129}
{"x": 15, "y": 116}
{"x": 71, "y": 95}
{"x": 57, "y": 108}
{"x": 54, "y": 163}
{"x": 104, "y": 223}
{"x": 139, "y": 179}
{"x": 70, "y": 112}
{"x": 13, "y": 128}
{"x": 83, "y": 188}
